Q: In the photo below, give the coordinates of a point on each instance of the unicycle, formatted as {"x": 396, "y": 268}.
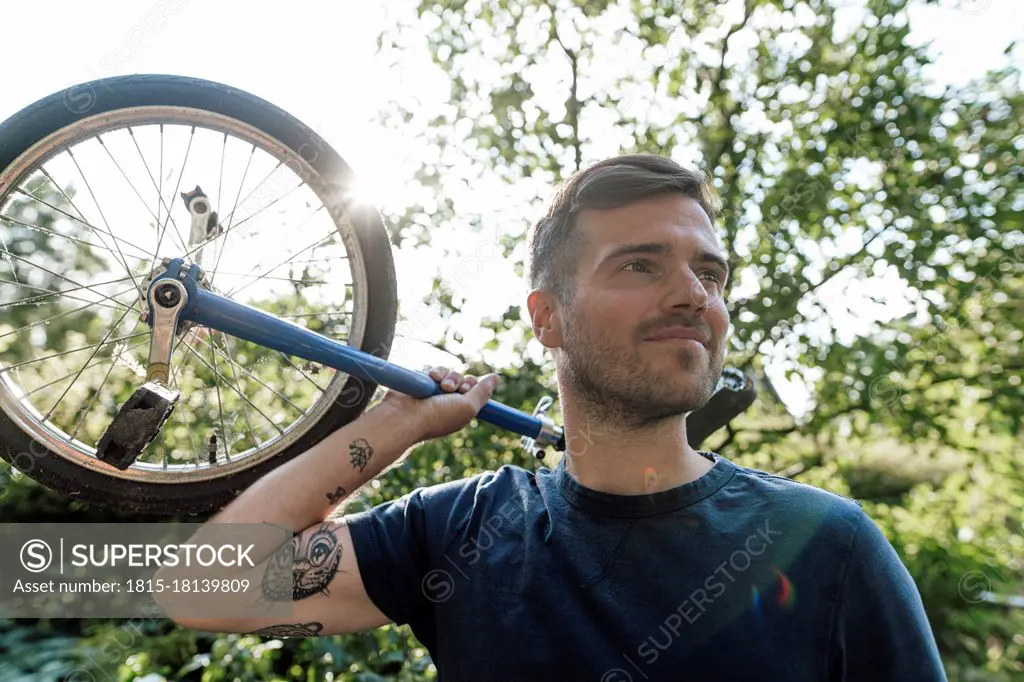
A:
{"x": 194, "y": 295}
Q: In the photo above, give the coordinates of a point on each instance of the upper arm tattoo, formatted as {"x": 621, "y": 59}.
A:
{"x": 317, "y": 567}
{"x": 292, "y": 574}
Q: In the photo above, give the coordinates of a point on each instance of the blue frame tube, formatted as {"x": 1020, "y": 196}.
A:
{"x": 245, "y": 322}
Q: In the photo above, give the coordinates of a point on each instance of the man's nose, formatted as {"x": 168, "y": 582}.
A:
{"x": 685, "y": 290}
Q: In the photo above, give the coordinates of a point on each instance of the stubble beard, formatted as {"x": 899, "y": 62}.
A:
{"x": 622, "y": 386}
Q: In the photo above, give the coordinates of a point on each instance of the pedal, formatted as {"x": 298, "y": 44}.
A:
{"x": 137, "y": 423}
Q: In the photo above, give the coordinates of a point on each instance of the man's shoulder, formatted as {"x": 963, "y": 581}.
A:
{"x": 450, "y": 509}
{"x": 478, "y": 490}
{"x": 803, "y": 506}
{"x": 774, "y": 487}
{"x": 506, "y": 474}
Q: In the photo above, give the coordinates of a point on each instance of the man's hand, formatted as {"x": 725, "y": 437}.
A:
{"x": 440, "y": 415}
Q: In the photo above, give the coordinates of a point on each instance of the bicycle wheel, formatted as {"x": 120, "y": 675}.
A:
{"x": 94, "y": 182}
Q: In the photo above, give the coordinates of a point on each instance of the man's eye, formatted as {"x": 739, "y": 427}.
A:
{"x": 714, "y": 275}
{"x": 642, "y": 263}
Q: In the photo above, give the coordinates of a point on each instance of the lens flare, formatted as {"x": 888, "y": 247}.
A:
{"x": 650, "y": 478}
{"x": 787, "y": 594}
{"x": 758, "y": 606}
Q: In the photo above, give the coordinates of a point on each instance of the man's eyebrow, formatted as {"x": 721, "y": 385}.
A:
{"x": 703, "y": 255}
{"x": 712, "y": 257}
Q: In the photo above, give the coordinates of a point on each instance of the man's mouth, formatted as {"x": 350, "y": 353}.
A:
{"x": 679, "y": 334}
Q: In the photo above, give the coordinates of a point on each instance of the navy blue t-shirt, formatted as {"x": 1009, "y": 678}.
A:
{"x": 739, "y": 575}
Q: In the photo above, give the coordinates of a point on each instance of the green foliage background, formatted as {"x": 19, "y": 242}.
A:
{"x": 919, "y": 416}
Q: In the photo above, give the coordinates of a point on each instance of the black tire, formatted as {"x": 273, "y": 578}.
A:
{"x": 48, "y": 115}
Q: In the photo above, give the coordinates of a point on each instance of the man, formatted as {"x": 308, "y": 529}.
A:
{"x": 637, "y": 557}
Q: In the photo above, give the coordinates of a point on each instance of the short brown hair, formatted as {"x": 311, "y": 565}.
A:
{"x": 610, "y": 183}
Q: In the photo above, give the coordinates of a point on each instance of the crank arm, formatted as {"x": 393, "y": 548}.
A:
{"x": 167, "y": 298}
{"x": 142, "y": 416}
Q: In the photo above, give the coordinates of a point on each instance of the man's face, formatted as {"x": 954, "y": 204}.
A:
{"x": 643, "y": 269}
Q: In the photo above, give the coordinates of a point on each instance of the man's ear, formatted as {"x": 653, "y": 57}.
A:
{"x": 545, "y": 317}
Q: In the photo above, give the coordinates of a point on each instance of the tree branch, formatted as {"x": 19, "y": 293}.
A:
{"x": 863, "y": 406}
{"x": 717, "y": 95}
{"x": 732, "y": 436}
{"x": 573, "y": 108}
{"x": 718, "y": 85}
{"x": 794, "y": 301}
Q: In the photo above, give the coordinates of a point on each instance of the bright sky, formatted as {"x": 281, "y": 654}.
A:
{"x": 314, "y": 59}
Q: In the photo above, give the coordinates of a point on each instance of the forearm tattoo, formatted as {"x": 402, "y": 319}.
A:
{"x": 309, "y": 573}
{"x": 361, "y": 452}
{"x": 336, "y": 495}
{"x": 311, "y": 629}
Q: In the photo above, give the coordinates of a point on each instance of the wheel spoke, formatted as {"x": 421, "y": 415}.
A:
{"x": 217, "y": 248}
{"x": 47, "y": 230}
{"x": 318, "y": 260}
{"x": 227, "y": 231}
{"x": 127, "y": 310}
{"x": 81, "y": 286}
{"x": 231, "y": 216}
{"x": 159, "y": 205}
{"x": 64, "y": 194}
{"x": 245, "y": 410}
{"x": 188, "y": 427}
{"x": 299, "y": 370}
{"x": 183, "y": 401}
{"x": 163, "y": 436}
{"x": 282, "y": 242}
{"x": 106, "y": 224}
{"x": 158, "y": 187}
{"x": 250, "y": 217}
{"x": 258, "y": 380}
{"x": 111, "y": 358}
{"x": 134, "y": 189}
{"x": 177, "y": 186}
{"x": 319, "y": 242}
{"x": 245, "y": 174}
{"x": 7, "y": 257}
{"x": 282, "y": 279}
{"x": 8, "y": 368}
{"x": 63, "y": 292}
{"x": 220, "y": 405}
{"x": 96, "y": 350}
{"x": 240, "y": 393}
{"x": 80, "y": 220}
{"x": 85, "y": 412}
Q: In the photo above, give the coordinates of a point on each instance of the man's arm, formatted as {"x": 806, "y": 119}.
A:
{"x": 881, "y": 632}
{"x": 324, "y": 584}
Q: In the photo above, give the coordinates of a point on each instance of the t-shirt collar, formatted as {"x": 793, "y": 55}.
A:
{"x": 652, "y": 504}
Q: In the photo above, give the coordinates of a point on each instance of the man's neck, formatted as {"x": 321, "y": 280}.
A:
{"x": 612, "y": 459}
